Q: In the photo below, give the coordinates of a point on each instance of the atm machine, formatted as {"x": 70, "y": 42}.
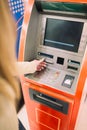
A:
{"x": 57, "y": 31}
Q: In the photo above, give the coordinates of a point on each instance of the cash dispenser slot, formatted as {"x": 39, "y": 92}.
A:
{"x": 52, "y": 102}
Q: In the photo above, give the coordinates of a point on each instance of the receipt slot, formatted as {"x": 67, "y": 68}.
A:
{"x": 56, "y": 31}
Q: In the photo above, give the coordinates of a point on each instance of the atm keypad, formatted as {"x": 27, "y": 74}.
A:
{"x": 56, "y": 79}
{"x": 47, "y": 76}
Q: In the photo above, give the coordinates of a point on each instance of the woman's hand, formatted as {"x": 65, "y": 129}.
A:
{"x": 31, "y": 67}
{"x": 41, "y": 64}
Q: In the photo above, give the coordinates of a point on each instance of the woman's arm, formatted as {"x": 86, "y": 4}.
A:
{"x": 30, "y": 67}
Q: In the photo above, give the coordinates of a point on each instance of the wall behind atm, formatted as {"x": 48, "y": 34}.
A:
{"x": 17, "y": 9}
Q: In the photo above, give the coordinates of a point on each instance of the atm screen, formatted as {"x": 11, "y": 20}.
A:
{"x": 63, "y": 34}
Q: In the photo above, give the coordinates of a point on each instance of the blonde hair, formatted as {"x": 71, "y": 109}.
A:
{"x": 9, "y": 88}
